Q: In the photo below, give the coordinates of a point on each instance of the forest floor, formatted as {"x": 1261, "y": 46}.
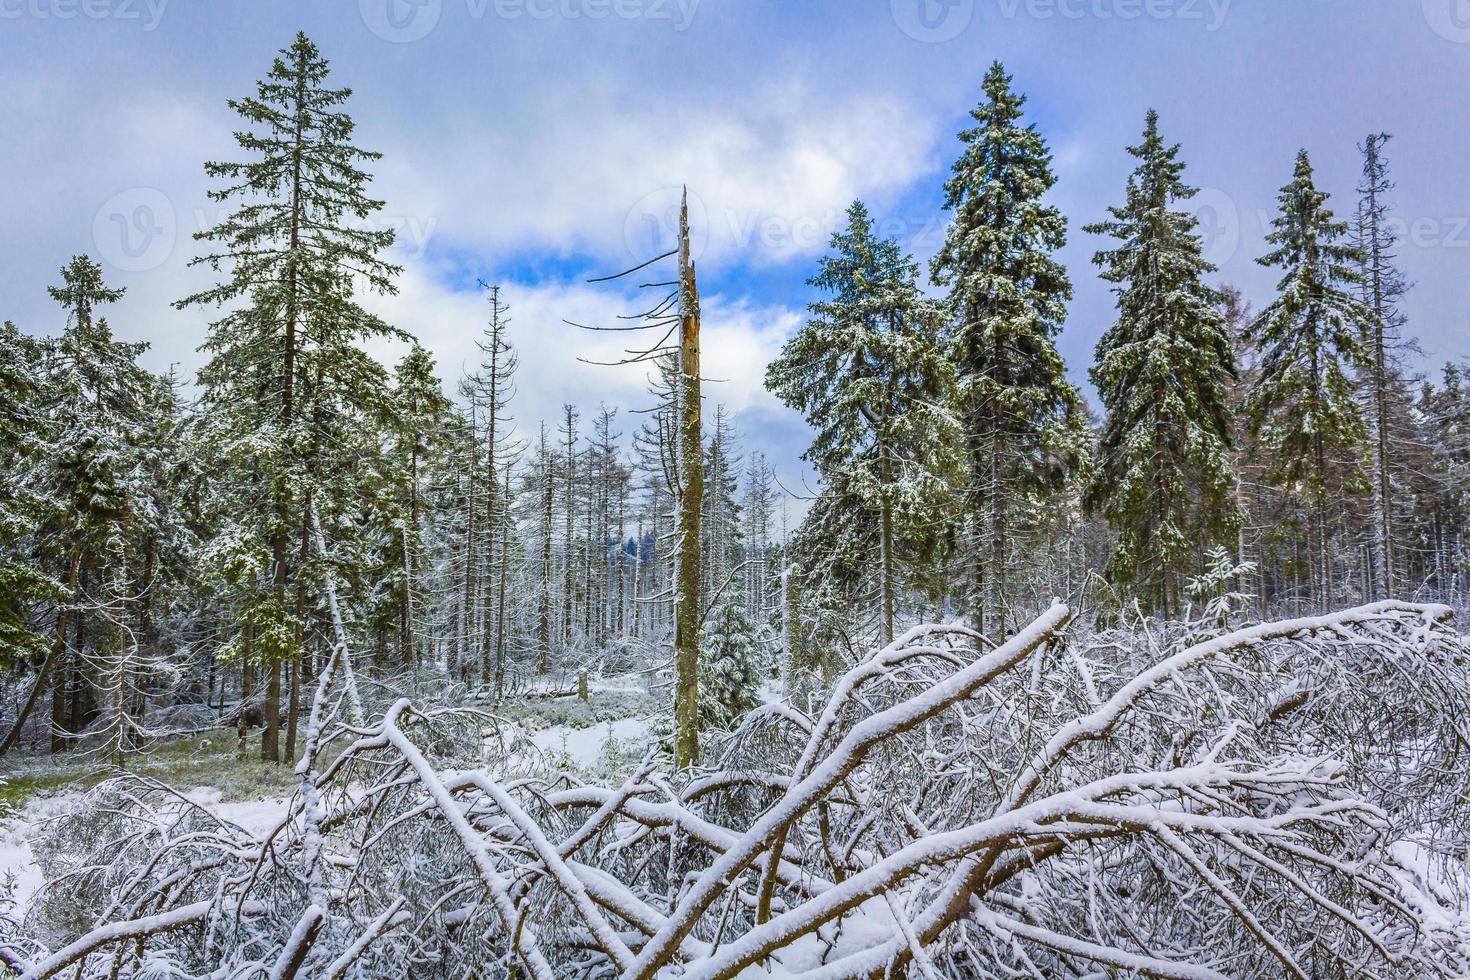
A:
{"x": 600, "y": 740}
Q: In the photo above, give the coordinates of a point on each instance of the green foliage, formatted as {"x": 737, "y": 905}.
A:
{"x": 1164, "y": 477}
{"x": 1304, "y": 403}
{"x": 1217, "y": 588}
{"x": 868, "y": 370}
{"x": 296, "y": 408}
{"x": 731, "y": 667}
{"x": 1009, "y": 295}
{"x": 1009, "y": 298}
{"x": 23, "y": 580}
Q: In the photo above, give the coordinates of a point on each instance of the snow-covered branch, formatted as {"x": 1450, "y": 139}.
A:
{"x": 1244, "y": 803}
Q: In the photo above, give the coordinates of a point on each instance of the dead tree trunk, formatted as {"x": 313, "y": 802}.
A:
{"x": 691, "y": 503}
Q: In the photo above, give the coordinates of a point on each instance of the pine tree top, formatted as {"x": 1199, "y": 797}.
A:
{"x": 82, "y": 290}
{"x": 302, "y": 193}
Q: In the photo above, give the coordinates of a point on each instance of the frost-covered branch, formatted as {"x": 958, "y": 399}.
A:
{"x": 1263, "y": 802}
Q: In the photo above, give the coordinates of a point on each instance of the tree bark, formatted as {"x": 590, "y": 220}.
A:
{"x": 53, "y": 657}
{"x": 548, "y": 500}
{"x": 687, "y": 614}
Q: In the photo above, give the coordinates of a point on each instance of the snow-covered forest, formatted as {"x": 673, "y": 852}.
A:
{"x": 1169, "y": 685}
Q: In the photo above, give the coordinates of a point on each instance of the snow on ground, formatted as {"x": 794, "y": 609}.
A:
{"x": 258, "y": 817}
{"x": 585, "y": 745}
{"x": 15, "y": 847}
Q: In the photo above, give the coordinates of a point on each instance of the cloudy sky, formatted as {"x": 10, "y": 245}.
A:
{"x": 537, "y": 143}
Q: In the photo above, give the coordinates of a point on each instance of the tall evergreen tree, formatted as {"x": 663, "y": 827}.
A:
{"x": 1008, "y": 297}
{"x": 758, "y": 504}
{"x": 24, "y": 432}
{"x": 1311, "y": 340}
{"x": 100, "y": 404}
{"x": 295, "y": 247}
{"x": 421, "y": 440}
{"x": 1163, "y": 474}
{"x": 869, "y": 372}
{"x": 544, "y": 469}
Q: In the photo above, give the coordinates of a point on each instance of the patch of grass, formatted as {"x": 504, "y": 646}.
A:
{"x": 210, "y": 758}
{"x": 18, "y": 788}
{"x": 599, "y": 708}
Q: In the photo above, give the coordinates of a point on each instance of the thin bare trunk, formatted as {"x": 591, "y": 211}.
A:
{"x": 687, "y": 615}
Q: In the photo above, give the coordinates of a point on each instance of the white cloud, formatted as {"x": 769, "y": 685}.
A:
{"x": 739, "y": 339}
{"x": 770, "y": 171}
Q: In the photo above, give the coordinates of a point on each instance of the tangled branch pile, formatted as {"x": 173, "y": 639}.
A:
{"x": 1283, "y": 800}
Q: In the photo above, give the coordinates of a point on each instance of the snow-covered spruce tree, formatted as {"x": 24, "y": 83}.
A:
{"x": 1163, "y": 476}
{"x": 731, "y": 667}
{"x": 868, "y": 371}
{"x": 1008, "y": 299}
{"x": 293, "y": 251}
{"x": 721, "y": 527}
{"x": 758, "y": 503}
{"x": 1311, "y": 338}
{"x": 97, "y": 405}
{"x": 148, "y": 593}
{"x": 571, "y": 486}
{"x": 543, "y": 485}
{"x": 464, "y": 503}
{"x": 25, "y": 584}
{"x": 420, "y": 432}
{"x": 608, "y": 517}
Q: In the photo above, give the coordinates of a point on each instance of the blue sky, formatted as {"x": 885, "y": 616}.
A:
{"x": 537, "y": 142}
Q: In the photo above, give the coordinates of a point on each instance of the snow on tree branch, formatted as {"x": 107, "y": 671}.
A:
{"x": 1279, "y": 800}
